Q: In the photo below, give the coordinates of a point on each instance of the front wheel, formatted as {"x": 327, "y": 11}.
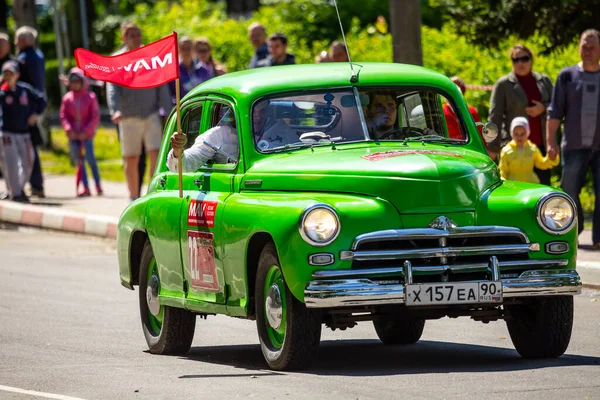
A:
{"x": 289, "y": 333}
{"x": 541, "y": 328}
{"x": 167, "y": 330}
{"x": 392, "y": 329}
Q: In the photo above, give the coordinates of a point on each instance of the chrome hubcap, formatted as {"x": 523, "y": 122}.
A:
{"x": 152, "y": 296}
{"x": 273, "y": 307}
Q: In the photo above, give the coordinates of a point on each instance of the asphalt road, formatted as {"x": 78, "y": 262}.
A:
{"x": 69, "y": 330}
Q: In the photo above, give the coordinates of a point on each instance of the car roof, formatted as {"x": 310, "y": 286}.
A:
{"x": 258, "y": 82}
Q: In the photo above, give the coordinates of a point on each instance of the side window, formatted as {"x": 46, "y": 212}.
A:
{"x": 224, "y": 135}
{"x": 192, "y": 121}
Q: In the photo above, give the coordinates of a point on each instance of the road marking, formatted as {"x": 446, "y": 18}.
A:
{"x": 39, "y": 394}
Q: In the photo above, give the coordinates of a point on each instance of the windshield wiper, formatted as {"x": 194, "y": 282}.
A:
{"x": 291, "y": 146}
{"x": 432, "y": 138}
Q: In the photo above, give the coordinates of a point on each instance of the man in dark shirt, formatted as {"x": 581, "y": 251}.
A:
{"x": 32, "y": 72}
{"x": 576, "y": 99}
{"x": 277, "y": 52}
{"x": 258, "y": 37}
{"x": 21, "y": 105}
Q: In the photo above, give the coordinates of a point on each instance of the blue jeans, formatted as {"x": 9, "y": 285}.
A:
{"x": 575, "y": 165}
{"x": 88, "y": 147}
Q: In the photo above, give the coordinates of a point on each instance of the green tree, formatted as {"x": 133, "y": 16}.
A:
{"x": 487, "y": 23}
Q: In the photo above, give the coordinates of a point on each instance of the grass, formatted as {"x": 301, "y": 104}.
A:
{"x": 56, "y": 160}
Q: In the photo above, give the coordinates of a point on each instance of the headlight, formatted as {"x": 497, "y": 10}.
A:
{"x": 319, "y": 225}
{"x": 556, "y": 213}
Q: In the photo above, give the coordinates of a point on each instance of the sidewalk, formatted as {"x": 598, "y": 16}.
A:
{"x": 62, "y": 210}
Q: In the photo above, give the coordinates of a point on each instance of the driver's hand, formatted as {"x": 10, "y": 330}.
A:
{"x": 178, "y": 141}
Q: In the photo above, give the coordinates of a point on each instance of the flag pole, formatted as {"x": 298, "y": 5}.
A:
{"x": 180, "y": 158}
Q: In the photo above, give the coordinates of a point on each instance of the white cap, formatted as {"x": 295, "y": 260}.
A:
{"x": 519, "y": 121}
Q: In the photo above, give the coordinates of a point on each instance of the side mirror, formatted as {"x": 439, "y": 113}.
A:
{"x": 490, "y": 131}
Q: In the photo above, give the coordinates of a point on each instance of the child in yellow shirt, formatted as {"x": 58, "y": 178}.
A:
{"x": 520, "y": 156}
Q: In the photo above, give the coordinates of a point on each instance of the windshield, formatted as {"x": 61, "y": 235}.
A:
{"x": 294, "y": 121}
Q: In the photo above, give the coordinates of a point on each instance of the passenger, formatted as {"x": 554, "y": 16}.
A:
{"x": 381, "y": 114}
{"x": 520, "y": 155}
{"x": 224, "y": 136}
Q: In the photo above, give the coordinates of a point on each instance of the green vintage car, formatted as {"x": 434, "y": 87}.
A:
{"x": 346, "y": 195}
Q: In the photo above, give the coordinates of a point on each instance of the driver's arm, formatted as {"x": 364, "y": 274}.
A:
{"x": 197, "y": 155}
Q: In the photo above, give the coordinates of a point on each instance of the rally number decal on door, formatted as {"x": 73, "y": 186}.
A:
{"x": 201, "y": 256}
{"x": 202, "y": 213}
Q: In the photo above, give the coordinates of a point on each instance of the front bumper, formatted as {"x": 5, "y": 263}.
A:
{"x": 360, "y": 291}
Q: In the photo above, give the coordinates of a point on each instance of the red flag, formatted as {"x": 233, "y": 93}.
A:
{"x": 149, "y": 66}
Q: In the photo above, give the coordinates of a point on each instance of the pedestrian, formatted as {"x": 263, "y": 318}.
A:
{"x": 338, "y": 52}
{"x": 138, "y": 115}
{"x": 519, "y": 157}
{"x": 258, "y": 37}
{"x": 5, "y": 49}
{"x": 33, "y": 67}
{"x": 80, "y": 116}
{"x": 521, "y": 93}
{"x": 203, "y": 51}
{"x": 322, "y": 57}
{"x": 576, "y": 101}
{"x": 191, "y": 71}
{"x": 454, "y": 130}
{"x": 21, "y": 106}
{"x": 278, "y": 54}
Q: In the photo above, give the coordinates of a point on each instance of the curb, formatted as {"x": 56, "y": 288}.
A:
{"x": 70, "y": 221}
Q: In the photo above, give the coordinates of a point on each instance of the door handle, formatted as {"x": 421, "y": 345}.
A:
{"x": 163, "y": 182}
{"x": 198, "y": 182}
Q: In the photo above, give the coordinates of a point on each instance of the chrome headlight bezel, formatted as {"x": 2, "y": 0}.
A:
{"x": 543, "y": 201}
{"x": 306, "y": 213}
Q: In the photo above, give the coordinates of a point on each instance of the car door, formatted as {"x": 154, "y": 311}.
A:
{"x": 164, "y": 208}
{"x": 202, "y": 213}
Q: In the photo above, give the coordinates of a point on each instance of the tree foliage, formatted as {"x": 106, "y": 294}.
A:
{"x": 558, "y": 22}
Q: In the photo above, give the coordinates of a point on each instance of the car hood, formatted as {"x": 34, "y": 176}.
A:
{"x": 415, "y": 178}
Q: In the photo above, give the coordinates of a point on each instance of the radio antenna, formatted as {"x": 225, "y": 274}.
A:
{"x": 353, "y": 78}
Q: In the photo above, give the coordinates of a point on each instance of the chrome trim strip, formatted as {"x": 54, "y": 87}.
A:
{"x": 408, "y": 272}
{"x": 432, "y": 269}
{"x": 495, "y": 268}
{"x": 437, "y": 252}
{"x": 359, "y": 292}
{"x": 430, "y": 233}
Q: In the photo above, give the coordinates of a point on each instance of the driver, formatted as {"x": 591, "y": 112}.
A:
{"x": 225, "y": 137}
{"x": 382, "y": 113}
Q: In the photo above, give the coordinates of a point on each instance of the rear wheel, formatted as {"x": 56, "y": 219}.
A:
{"x": 541, "y": 328}
{"x": 289, "y": 333}
{"x": 393, "y": 329}
{"x": 167, "y": 330}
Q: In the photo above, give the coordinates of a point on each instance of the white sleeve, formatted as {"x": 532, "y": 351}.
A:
{"x": 197, "y": 155}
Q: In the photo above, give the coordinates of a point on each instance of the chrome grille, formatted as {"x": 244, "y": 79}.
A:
{"x": 448, "y": 252}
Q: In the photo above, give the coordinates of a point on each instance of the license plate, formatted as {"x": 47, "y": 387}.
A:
{"x": 423, "y": 294}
